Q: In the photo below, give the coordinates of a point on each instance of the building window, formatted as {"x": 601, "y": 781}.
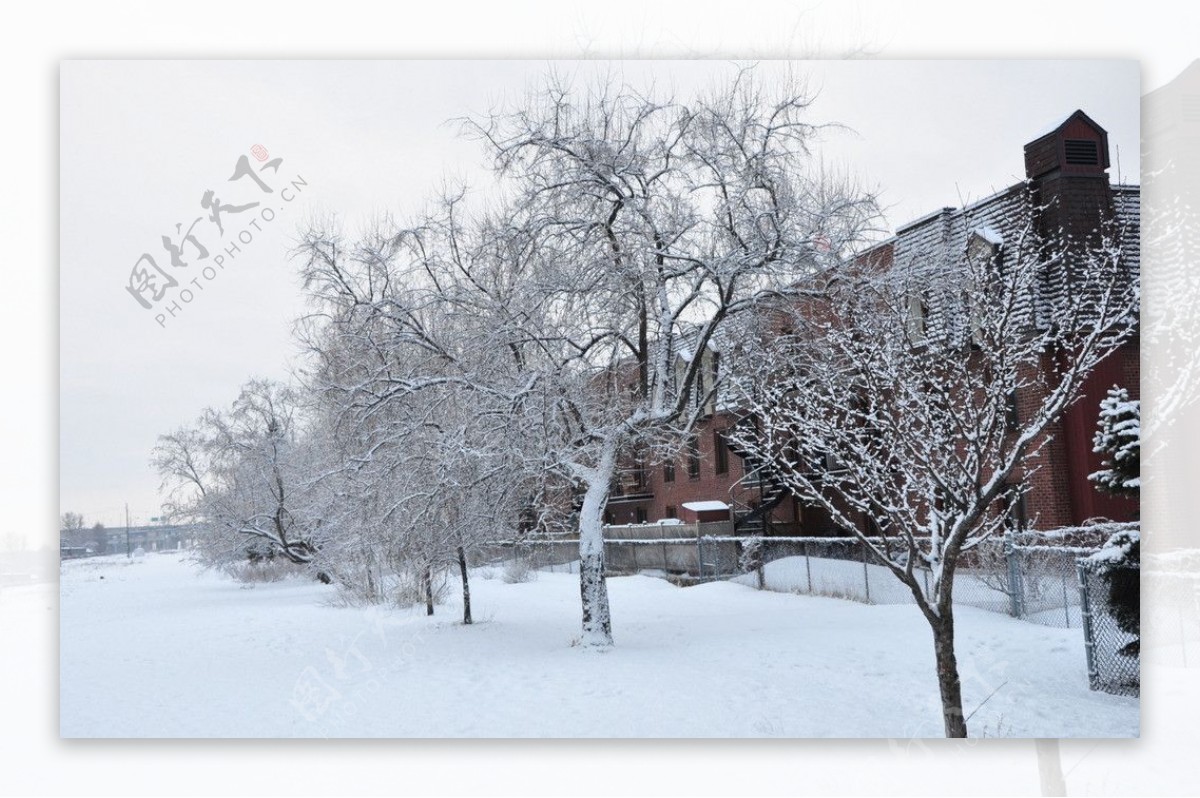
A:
{"x": 668, "y": 472}
{"x": 984, "y": 256}
{"x": 693, "y": 458}
{"x": 721, "y": 447}
{"x": 639, "y": 475}
{"x": 608, "y": 518}
{"x": 1012, "y": 416}
{"x": 640, "y": 515}
{"x": 671, "y": 512}
{"x": 1018, "y": 517}
{"x": 918, "y": 316}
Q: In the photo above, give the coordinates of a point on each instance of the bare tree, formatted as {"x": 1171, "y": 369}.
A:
{"x": 99, "y": 538}
{"x": 71, "y": 526}
{"x": 241, "y": 474}
{"x": 887, "y": 397}
{"x": 412, "y": 483}
{"x": 479, "y": 482}
{"x": 629, "y": 231}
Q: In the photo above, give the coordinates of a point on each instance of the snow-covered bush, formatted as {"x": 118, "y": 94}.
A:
{"x": 1119, "y": 439}
{"x": 1119, "y": 565}
{"x": 262, "y": 570}
{"x": 518, "y": 570}
{"x": 751, "y": 559}
{"x": 413, "y": 586}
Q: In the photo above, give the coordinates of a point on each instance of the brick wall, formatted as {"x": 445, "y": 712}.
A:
{"x": 708, "y": 485}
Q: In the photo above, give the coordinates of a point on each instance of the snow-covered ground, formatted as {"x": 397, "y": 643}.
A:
{"x": 155, "y": 648}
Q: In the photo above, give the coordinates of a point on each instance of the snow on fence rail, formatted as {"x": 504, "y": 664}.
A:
{"x": 1038, "y": 583}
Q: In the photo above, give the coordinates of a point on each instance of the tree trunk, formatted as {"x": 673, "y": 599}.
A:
{"x": 593, "y": 589}
{"x": 948, "y": 682}
{"x": 462, "y": 567}
{"x": 428, "y": 580}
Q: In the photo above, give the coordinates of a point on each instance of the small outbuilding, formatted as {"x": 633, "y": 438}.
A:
{"x": 705, "y": 512}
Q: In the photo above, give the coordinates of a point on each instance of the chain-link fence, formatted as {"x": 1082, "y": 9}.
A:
{"x": 1037, "y": 583}
{"x": 1113, "y": 652}
{"x": 1050, "y": 585}
{"x": 540, "y": 554}
{"x": 834, "y": 567}
{"x": 660, "y": 551}
{"x": 1033, "y": 582}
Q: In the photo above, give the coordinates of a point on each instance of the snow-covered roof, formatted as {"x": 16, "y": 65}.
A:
{"x": 1057, "y": 124}
{"x": 990, "y": 235}
{"x": 703, "y": 507}
{"x": 1052, "y": 126}
{"x": 686, "y": 340}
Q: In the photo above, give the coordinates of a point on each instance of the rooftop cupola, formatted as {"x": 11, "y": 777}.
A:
{"x": 1078, "y": 147}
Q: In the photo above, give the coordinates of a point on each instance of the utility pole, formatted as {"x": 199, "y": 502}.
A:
{"x": 128, "y": 551}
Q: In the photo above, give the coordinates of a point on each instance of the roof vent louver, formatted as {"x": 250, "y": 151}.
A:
{"x": 1081, "y": 152}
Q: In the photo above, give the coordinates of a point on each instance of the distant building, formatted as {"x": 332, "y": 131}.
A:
{"x": 162, "y": 537}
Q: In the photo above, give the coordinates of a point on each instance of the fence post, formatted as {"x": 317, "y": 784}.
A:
{"x": 807, "y": 568}
{"x": 761, "y": 568}
{"x": 699, "y": 553}
{"x": 1066, "y": 603}
{"x": 1085, "y": 613}
{"x": 866, "y": 575}
{"x": 1016, "y": 591}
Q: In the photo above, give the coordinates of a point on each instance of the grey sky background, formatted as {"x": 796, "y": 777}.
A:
{"x": 141, "y": 141}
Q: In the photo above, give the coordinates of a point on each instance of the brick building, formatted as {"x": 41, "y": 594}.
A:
{"x": 1067, "y": 180}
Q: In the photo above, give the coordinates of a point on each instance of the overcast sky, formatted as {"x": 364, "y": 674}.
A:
{"x": 143, "y": 141}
